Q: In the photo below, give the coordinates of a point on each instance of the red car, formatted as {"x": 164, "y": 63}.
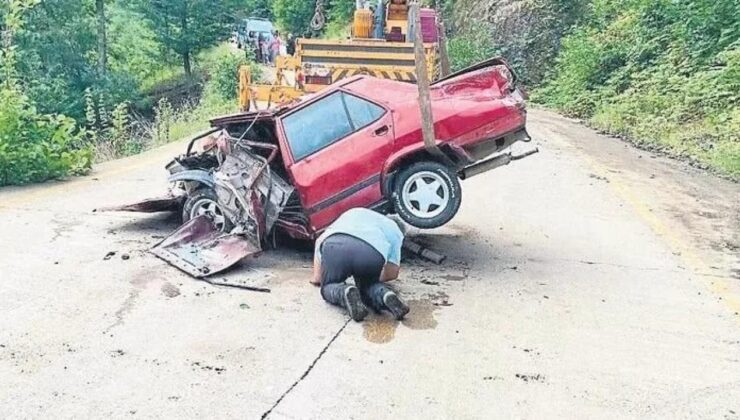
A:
{"x": 357, "y": 143}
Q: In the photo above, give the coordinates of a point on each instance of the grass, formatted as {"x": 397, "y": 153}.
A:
{"x": 173, "y": 121}
{"x": 710, "y": 142}
{"x": 196, "y": 118}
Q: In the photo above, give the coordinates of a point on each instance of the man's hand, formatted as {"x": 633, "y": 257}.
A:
{"x": 390, "y": 272}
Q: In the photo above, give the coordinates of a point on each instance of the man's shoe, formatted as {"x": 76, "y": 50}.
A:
{"x": 394, "y": 304}
{"x": 368, "y": 302}
{"x": 353, "y": 303}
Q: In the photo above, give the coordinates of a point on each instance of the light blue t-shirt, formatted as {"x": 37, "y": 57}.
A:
{"x": 377, "y": 230}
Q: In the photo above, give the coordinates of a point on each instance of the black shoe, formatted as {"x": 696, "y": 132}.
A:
{"x": 353, "y": 303}
{"x": 368, "y": 302}
{"x": 394, "y": 304}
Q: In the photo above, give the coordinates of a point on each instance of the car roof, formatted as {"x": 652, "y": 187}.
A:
{"x": 382, "y": 90}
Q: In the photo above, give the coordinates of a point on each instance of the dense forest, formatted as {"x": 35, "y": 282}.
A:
{"x": 86, "y": 80}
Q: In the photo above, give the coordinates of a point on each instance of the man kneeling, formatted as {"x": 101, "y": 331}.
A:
{"x": 364, "y": 245}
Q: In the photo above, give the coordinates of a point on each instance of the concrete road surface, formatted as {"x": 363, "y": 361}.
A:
{"x": 590, "y": 280}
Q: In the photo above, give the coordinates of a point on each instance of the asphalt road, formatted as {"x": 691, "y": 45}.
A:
{"x": 591, "y": 280}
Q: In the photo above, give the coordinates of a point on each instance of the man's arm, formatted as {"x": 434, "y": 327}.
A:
{"x": 390, "y": 272}
{"x": 316, "y": 278}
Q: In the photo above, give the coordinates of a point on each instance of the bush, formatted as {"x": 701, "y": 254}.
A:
{"x": 224, "y": 72}
{"x": 470, "y": 47}
{"x": 293, "y": 16}
{"x": 664, "y": 74}
{"x": 36, "y": 147}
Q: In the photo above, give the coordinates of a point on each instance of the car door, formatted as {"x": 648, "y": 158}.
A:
{"x": 338, "y": 145}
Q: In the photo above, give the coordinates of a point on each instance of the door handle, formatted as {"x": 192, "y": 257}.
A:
{"x": 381, "y": 131}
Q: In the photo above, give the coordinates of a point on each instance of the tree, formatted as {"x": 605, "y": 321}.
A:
{"x": 186, "y": 27}
{"x": 102, "y": 42}
{"x": 258, "y": 8}
{"x": 294, "y": 16}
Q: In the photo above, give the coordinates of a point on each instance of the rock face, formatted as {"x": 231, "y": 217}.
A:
{"x": 526, "y": 32}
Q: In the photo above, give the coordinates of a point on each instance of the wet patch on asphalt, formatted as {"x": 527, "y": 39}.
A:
{"x": 381, "y": 329}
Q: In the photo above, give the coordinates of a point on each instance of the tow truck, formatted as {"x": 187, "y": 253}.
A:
{"x": 380, "y": 45}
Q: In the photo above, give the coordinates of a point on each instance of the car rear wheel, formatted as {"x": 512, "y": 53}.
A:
{"x": 427, "y": 195}
{"x": 204, "y": 202}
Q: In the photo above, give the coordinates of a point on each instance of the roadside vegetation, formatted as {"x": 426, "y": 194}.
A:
{"x": 664, "y": 74}
{"x": 84, "y": 81}
{"x": 88, "y": 80}
{"x": 660, "y": 73}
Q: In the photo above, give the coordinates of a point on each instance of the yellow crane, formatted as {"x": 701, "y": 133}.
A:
{"x": 381, "y": 45}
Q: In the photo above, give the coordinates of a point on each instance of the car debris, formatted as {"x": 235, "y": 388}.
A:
{"x": 154, "y": 205}
{"x": 200, "y": 249}
{"x": 358, "y": 143}
{"x": 419, "y": 250}
{"x": 236, "y": 284}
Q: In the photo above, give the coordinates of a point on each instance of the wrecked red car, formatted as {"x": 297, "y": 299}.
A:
{"x": 358, "y": 143}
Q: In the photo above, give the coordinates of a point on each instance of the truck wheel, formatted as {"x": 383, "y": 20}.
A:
{"x": 204, "y": 201}
{"x": 427, "y": 194}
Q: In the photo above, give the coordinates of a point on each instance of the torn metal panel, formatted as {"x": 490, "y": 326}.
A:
{"x": 199, "y": 249}
{"x": 150, "y": 205}
{"x": 197, "y": 175}
{"x": 248, "y": 194}
{"x": 242, "y": 173}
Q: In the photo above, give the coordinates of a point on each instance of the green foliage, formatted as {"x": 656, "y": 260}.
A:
{"x": 225, "y": 72}
{"x": 339, "y": 19}
{"x": 186, "y": 27}
{"x": 470, "y": 47}
{"x": 133, "y": 50}
{"x": 258, "y": 8}
{"x": 341, "y": 11}
{"x": 163, "y": 118}
{"x": 171, "y": 124}
{"x": 56, "y": 54}
{"x": 13, "y": 22}
{"x": 526, "y": 32}
{"x": 109, "y": 128}
{"x": 665, "y": 74}
{"x": 35, "y": 147}
{"x": 293, "y": 16}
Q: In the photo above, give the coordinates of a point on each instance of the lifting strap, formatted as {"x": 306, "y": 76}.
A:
{"x": 319, "y": 20}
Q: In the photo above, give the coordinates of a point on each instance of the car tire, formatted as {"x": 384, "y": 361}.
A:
{"x": 426, "y": 194}
{"x": 204, "y": 201}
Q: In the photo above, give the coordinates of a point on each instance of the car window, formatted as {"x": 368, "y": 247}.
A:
{"x": 361, "y": 111}
{"x": 260, "y": 26}
{"x": 317, "y": 126}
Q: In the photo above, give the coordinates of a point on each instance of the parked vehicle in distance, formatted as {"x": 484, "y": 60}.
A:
{"x": 357, "y": 143}
{"x": 255, "y": 26}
